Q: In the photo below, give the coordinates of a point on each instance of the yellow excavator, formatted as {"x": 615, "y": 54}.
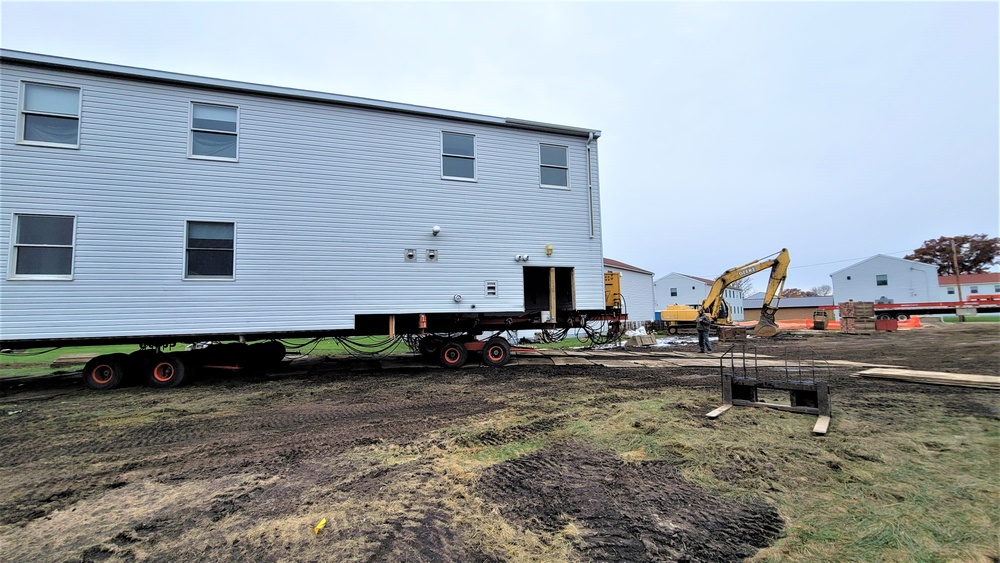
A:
{"x": 676, "y": 316}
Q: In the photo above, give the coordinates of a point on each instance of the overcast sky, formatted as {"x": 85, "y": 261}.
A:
{"x": 730, "y": 130}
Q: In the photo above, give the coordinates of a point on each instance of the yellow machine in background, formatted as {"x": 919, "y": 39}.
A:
{"x": 678, "y": 316}
{"x": 613, "y": 290}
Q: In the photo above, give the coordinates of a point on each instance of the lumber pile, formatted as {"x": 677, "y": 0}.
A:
{"x": 857, "y": 317}
{"x": 934, "y": 377}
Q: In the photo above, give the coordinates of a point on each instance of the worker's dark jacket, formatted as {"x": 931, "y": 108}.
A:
{"x": 703, "y": 322}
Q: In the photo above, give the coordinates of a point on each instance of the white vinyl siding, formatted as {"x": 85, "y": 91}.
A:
{"x": 326, "y": 197}
{"x": 458, "y": 156}
{"x": 42, "y": 247}
{"x": 214, "y": 132}
{"x": 49, "y": 115}
{"x": 554, "y": 166}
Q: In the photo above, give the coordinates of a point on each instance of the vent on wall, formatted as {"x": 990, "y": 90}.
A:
{"x": 491, "y": 289}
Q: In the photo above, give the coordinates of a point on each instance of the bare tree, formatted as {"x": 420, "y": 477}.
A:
{"x": 744, "y": 286}
{"x": 822, "y": 290}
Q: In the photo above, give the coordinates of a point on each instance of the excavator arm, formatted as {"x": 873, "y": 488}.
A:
{"x": 716, "y": 305}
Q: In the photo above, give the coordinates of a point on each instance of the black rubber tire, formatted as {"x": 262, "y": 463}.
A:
{"x": 671, "y": 330}
{"x": 166, "y": 370}
{"x": 106, "y": 371}
{"x": 453, "y": 355}
{"x": 267, "y": 354}
{"x": 430, "y": 346}
{"x": 496, "y": 352}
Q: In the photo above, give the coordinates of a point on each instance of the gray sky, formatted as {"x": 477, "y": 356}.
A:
{"x": 730, "y": 130}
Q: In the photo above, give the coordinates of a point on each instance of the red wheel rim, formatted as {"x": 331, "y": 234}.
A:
{"x": 102, "y": 373}
{"x": 452, "y": 355}
{"x": 163, "y": 372}
{"x": 496, "y": 353}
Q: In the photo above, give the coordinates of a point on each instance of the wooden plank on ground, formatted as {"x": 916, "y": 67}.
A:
{"x": 718, "y": 412}
{"x": 72, "y": 360}
{"x": 617, "y": 363}
{"x": 934, "y": 377}
{"x": 822, "y": 425}
{"x": 571, "y": 361}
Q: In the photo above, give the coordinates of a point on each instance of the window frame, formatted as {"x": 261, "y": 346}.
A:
{"x": 474, "y": 158}
{"x": 15, "y": 245}
{"x": 542, "y": 166}
{"x": 187, "y": 237}
{"x": 192, "y": 129}
{"x": 21, "y": 112}
{"x": 673, "y": 292}
{"x": 881, "y": 282}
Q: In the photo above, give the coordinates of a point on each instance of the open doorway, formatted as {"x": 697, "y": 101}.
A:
{"x": 538, "y": 289}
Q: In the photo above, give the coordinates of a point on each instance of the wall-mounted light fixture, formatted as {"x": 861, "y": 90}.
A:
{"x": 435, "y": 230}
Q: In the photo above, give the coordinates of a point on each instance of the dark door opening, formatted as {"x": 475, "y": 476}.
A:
{"x": 538, "y": 289}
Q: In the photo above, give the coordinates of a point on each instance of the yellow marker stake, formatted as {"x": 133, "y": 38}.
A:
{"x": 319, "y": 526}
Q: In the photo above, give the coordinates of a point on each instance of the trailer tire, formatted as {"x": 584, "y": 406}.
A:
{"x": 496, "y": 352}
{"x": 671, "y": 330}
{"x": 902, "y": 317}
{"x": 430, "y": 346}
{"x": 453, "y": 354}
{"x": 884, "y": 317}
{"x": 105, "y": 372}
{"x": 165, "y": 370}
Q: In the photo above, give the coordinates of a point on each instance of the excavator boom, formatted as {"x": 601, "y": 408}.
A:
{"x": 766, "y": 326}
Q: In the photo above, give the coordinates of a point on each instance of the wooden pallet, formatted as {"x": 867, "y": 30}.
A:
{"x": 933, "y": 377}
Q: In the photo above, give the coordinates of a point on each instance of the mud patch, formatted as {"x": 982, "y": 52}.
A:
{"x": 619, "y": 511}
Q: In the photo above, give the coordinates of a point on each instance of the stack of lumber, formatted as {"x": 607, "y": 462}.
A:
{"x": 934, "y": 377}
{"x": 857, "y": 317}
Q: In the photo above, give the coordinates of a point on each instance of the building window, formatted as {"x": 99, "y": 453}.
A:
{"x": 673, "y": 292}
{"x": 951, "y": 291}
{"x": 974, "y": 289}
{"x": 209, "y": 250}
{"x": 43, "y": 247}
{"x": 458, "y": 156}
{"x": 491, "y": 289}
{"x": 554, "y": 166}
{"x": 50, "y": 115}
{"x": 881, "y": 279}
{"x": 214, "y": 131}
{"x": 996, "y": 288}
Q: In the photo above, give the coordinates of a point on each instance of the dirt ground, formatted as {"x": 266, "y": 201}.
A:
{"x": 404, "y": 464}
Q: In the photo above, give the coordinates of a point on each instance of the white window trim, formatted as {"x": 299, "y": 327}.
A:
{"x": 474, "y": 158}
{"x": 12, "y": 257}
{"x": 192, "y": 129}
{"x": 20, "y": 116}
{"x": 184, "y": 274}
{"x": 566, "y": 168}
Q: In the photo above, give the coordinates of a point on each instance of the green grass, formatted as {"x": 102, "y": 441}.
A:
{"x": 39, "y": 361}
{"x": 974, "y": 319}
{"x": 897, "y": 488}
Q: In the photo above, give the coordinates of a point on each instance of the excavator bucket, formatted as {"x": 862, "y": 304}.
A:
{"x": 766, "y": 326}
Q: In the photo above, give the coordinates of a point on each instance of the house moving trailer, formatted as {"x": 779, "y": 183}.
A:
{"x": 155, "y": 208}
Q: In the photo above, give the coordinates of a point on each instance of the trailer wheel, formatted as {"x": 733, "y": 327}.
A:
{"x": 453, "y": 354}
{"x": 902, "y": 317}
{"x": 165, "y": 370}
{"x": 430, "y": 346}
{"x": 105, "y": 372}
{"x": 496, "y": 352}
{"x": 884, "y": 317}
{"x": 671, "y": 330}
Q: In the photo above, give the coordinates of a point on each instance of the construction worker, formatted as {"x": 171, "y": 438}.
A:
{"x": 703, "y": 323}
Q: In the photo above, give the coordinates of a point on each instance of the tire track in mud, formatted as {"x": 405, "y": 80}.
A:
{"x": 203, "y": 446}
{"x": 642, "y": 511}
